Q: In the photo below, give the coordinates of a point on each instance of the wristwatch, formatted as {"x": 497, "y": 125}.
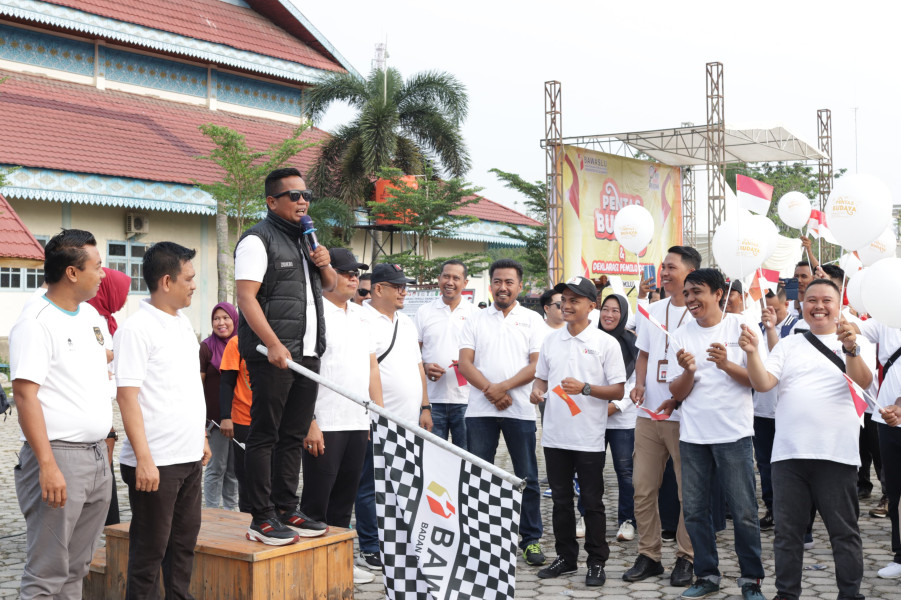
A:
{"x": 427, "y": 407}
{"x": 586, "y": 389}
{"x": 112, "y": 435}
{"x": 854, "y": 352}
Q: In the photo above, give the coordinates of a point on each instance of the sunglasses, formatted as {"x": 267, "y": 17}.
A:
{"x": 296, "y": 195}
{"x": 401, "y": 289}
{"x": 363, "y": 292}
{"x": 557, "y": 304}
{"x": 348, "y": 274}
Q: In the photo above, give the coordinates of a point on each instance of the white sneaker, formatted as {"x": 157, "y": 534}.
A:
{"x": 626, "y": 532}
{"x": 580, "y": 528}
{"x": 361, "y": 576}
{"x": 892, "y": 571}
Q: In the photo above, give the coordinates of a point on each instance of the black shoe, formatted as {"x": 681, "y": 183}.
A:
{"x": 369, "y": 560}
{"x": 668, "y": 535}
{"x": 766, "y": 523}
{"x": 644, "y": 567}
{"x": 864, "y": 493}
{"x": 533, "y": 555}
{"x": 595, "y": 575}
{"x": 270, "y": 531}
{"x": 557, "y": 568}
{"x": 302, "y": 524}
{"x": 682, "y": 573}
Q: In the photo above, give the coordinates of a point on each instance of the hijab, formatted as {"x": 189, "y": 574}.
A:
{"x": 625, "y": 338}
{"x": 217, "y": 344}
{"x": 111, "y": 296}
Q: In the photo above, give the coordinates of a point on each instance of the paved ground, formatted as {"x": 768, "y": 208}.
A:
{"x": 818, "y": 573}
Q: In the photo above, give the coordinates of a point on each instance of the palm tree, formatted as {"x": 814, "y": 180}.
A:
{"x": 408, "y": 125}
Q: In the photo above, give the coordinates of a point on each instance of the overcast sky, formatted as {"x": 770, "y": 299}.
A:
{"x": 632, "y": 66}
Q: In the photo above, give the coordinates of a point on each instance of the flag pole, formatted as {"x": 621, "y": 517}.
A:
{"x": 368, "y": 404}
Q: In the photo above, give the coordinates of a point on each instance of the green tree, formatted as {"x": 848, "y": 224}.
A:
{"x": 334, "y": 220}
{"x": 430, "y": 209}
{"x": 534, "y": 255}
{"x": 239, "y": 194}
{"x": 410, "y": 125}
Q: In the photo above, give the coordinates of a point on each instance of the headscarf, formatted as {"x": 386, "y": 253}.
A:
{"x": 215, "y": 343}
{"x": 625, "y": 338}
{"x": 111, "y": 296}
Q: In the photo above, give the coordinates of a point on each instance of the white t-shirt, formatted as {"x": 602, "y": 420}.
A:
{"x": 627, "y": 412}
{"x": 591, "y": 356}
{"x": 815, "y": 416}
{"x": 889, "y": 340}
{"x": 348, "y": 350}
{"x": 765, "y": 402}
{"x": 251, "y": 262}
{"x": 439, "y": 328}
{"x": 718, "y": 409}
{"x": 401, "y": 381}
{"x": 502, "y": 348}
{"x": 63, "y": 353}
{"x": 655, "y": 343}
{"x": 159, "y": 353}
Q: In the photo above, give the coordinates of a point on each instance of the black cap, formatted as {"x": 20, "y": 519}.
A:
{"x": 343, "y": 260}
{"x": 579, "y": 285}
{"x": 736, "y": 286}
{"x": 388, "y": 273}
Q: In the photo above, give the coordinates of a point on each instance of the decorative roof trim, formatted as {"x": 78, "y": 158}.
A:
{"x": 289, "y": 6}
{"x": 76, "y": 20}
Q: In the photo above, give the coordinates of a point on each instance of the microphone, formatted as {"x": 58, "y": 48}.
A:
{"x": 309, "y": 232}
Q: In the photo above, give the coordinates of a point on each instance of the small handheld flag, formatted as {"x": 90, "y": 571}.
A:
{"x": 573, "y": 407}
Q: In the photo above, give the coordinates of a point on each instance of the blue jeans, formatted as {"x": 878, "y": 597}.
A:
{"x": 732, "y": 466}
{"x": 449, "y": 418}
{"x": 519, "y": 436}
{"x": 367, "y": 523}
{"x": 622, "y": 444}
{"x": 764, "y": 432}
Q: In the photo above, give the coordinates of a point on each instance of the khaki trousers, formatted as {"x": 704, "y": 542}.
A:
{"x": 655, "y": 442}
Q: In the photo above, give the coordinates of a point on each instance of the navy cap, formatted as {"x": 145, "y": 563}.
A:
{"x": 389, "y": 273}
{"x": 579, "y": 285}
{"x": 344, "y": 260}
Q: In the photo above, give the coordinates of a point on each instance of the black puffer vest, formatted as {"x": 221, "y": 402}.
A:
{"x": 283, "y": 295}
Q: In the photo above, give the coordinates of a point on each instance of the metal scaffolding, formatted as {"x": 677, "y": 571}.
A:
{"x": 553, "y": 161}
{"x": 824, "y": 142}
{"x": 716, "y": 150}
{"x": 689, "y": 227}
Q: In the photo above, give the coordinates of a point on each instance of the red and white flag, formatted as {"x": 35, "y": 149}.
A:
{"x": 644, "y": 312}
{"x": 753, "y": 195}
{"x": 860, "y": 405}
{"x": 764, "y": 279}
{"x": 816, "y": 226}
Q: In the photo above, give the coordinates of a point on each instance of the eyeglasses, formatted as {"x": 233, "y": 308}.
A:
{"x": 296, "y": 195}
{"x": 401, "y": 289}
{"x": 348, "y": 274}
{"x": 557, "y": 304}
{"x": 363, "y": 292}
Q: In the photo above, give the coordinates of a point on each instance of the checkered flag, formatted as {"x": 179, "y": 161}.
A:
{"x": 448, "y": 529}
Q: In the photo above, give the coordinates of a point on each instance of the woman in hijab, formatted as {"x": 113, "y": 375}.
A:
{"x": 220, "y": 486}
{"x": 621, "y": 414}
{"x": 110, "y": 299}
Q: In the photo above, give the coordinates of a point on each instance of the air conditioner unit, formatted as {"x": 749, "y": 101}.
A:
{"x": 136, "y": 223}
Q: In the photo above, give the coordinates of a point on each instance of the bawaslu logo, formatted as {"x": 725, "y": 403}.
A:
{"x": 592, "y": 164}
{"x": 440, "y": 501}
{"x": 611, "y": 201}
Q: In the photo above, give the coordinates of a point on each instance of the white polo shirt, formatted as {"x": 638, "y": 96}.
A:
{"x": 401, "y": 381}
{"x": 815, "y": 415}
{"x": 439, "y": 330}
{"x": 656, "y": 344}
{"x": 63, "y": 353}
{"x": 251, "y": 262}
{"x": 349, "y": 346}
{"x": 888, "y": 340}
{"x": 159, "y": 353}
{"x": 502, "y": 348}
{"x": 591, "y": 356}
{"x": 718, "y": 409}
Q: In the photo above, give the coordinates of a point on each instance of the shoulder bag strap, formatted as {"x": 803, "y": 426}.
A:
{"x": 888, "y": 364}
{"x": 393, "y": 337}
{"x": 821, "y": 347}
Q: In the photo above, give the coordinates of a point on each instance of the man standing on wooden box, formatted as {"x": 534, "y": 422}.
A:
{"x": 164, "y": 412}
{"x": 60, "y": 382}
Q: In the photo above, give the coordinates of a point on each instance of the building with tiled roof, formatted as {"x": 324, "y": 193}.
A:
{"x": 100, "y": 113}
{"x": 18, "y": 248}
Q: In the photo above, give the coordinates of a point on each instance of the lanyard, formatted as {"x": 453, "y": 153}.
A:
{"x": 685, "y": 312}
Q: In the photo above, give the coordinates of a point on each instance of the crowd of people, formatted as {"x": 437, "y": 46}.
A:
{"x": 686, "y": 394}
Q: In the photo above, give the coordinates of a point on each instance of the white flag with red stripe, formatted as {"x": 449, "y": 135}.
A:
{"x": 860, "y": 405}
{"x": 816, "y": 227}
{"x": 764, "y": 279}
{"x": 644, "y": 312}
{"x": 753, "y": 195}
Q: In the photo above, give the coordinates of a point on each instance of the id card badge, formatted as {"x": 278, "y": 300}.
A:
{"x": 661, "y": 371}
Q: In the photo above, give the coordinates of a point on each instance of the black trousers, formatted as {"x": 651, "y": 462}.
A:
{"x": 330, "y": 480}
{"x": 561, "y": 466}
{"x": 869, "y": 455}
{"x": 163, "y": 532}
{"x": 280, "y": 416}
{"x": 241, "y": 432}
{"x": 890, "y": 448}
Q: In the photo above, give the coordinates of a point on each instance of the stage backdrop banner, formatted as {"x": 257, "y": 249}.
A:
{"x": 596, "y": 187}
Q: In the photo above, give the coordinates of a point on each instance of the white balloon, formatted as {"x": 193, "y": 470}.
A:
{"x": 794, "y": 209}
{"x": 739, "y": 245}
{"x": 633, "y": 227}
{"x": 858, "y": 209}
{"x": 770, "y": 233}
{"x": 881, "y": 247}
{"x": 881, "y": 290}
{"x": 855, "y": 291}
{"x": 849, "y": 263}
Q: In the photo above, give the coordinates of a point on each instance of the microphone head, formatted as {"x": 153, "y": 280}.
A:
{"x": 306, "y": 223}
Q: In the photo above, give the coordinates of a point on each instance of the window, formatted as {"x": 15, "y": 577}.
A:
{"x": 19, "y": 279}
{"x": 128, "y": 257}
